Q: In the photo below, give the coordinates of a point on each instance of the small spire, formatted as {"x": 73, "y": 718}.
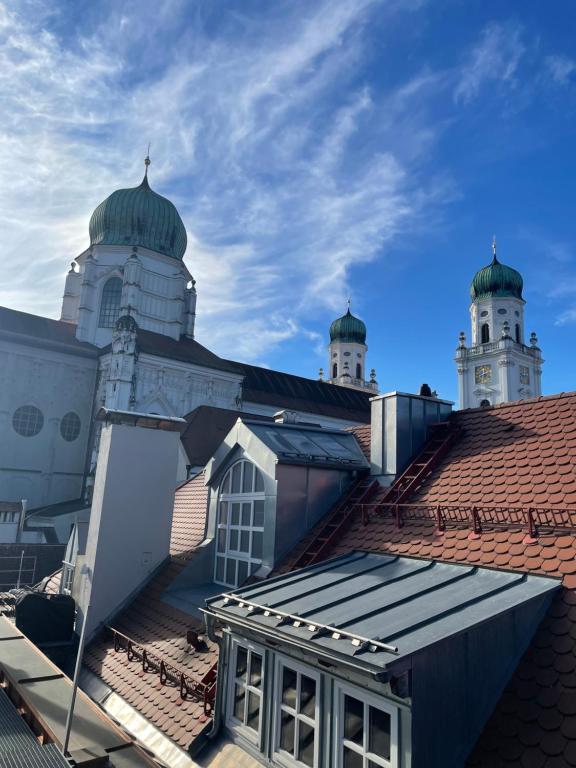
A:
{"x": 494, "y": 247}
{"x": 147, "y": 161}
{"x": 348, "y": 303}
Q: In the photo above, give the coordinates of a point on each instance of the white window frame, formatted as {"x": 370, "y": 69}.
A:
{"x": 279, "y": 755}
{"x": 229, "y": 498}
{"x": 232, "y": 721}
{"x": 368, "y": 700}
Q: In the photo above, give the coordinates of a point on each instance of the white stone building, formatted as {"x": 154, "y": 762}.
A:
{"x": 347, "y": 354}
{"x": 125, "y": 340}
{"x": 498, "y": 366}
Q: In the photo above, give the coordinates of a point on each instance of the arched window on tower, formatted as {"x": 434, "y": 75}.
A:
{"x": 334, "y": 371}
{"x": 110, "y": 303}
{"x": 518, "y": 333}
{"x": 484, "y": 333}
{"x": 358, "y": 371}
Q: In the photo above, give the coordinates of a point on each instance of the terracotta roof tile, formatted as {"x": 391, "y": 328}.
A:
{"x": 161, "y": 629}
{"x": 520, "y": 453}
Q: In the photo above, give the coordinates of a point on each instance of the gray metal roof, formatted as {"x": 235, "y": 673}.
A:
{"x": 299, "y": 444}
{"x": 377, "y": 609}
{"x": 19, "y": 747}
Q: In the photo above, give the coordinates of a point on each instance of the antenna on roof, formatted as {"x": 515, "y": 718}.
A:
{"x": 147, "y": 160}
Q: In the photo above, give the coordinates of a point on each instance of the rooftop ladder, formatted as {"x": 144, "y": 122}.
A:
{"x": 443, "y": 436}
{"x": 336, "y": 521}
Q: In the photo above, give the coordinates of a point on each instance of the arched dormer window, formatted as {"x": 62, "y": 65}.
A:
{"x": 518, "y": 333}
{"x": 484, "y": 333}
{"x": 334, "y": 371}
{"x": 240, "y": 526}
{"x": 110, "y": 303}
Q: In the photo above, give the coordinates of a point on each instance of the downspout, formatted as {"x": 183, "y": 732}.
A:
{"x": 221, "y": 675}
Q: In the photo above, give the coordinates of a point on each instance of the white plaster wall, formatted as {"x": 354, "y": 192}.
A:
{"x": 44, "y": 469}
{"x": 341, "y": 353}
{"x": 131, "y": 517}
{"x": 498, "y": 311}
{"x": 156, "y": 294}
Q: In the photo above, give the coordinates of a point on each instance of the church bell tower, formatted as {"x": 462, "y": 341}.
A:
{"x": 499, "y": 366}
{"x": 347, "y": 354}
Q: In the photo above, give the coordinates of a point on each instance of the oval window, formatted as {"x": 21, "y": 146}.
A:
{"x": 28, "y": 420}
{"x": 502, "y": 311}
{"x": 484, "y": 314}
{"x": 70, "y": 426}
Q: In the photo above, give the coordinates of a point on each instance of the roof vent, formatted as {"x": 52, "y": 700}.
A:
{"x": 285, "y": 417}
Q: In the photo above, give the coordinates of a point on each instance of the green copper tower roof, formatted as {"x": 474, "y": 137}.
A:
{"x": 348, "y": 329}
{"x": 496, "y": 280}
{"x": 139, "y": 216}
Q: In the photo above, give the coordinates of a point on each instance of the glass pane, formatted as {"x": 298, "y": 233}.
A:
{"x": 220, "y": 569}
{"x": 242, "y": 571}
{"x": 253, "y": 710}
{"x": 289, "y": 687}
{"x": 379, "y": 733}
{"x": 231, "y": 572}
{"x": 353, "y": 720}
{"x": 259, "y": 482}
{"x": 247, "y": 481}
{"x": 257, "y": 545}
{"x": 245, "y": 541}
{"x": 226, "y": 483}
{"x": 234, "y": 540}
{"x": 308, "y": 696}
{"x": 241, "y": 663}
{"x": 352, "y": 759}
{"x": 236, "y": 471}
{"x": 287, "y": 732}
{"x": 221, "y": 539}
{"x": 258, "y": 514}
{"x": 246, "y": 514}
{"x": 235, "y": 514}
{"x": 239, "y": 695}
{"x": 256, "y": 670}
{"x": 306, "y": 743}
{"x": 224, "y": 512}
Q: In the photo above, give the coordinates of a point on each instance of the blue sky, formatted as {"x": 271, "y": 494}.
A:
{"x": 316, "y": 150}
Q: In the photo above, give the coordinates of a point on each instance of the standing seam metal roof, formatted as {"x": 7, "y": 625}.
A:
{"x": 404, "y": 603}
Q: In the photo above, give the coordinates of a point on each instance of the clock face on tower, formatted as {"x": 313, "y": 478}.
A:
{"x": 483, "y": 374}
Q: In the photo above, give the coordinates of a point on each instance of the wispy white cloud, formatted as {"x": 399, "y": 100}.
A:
{"x": 566, "y": 318}
{"x": 263, "y": 135}
{"x": 494, "y": 59}
{"x": 561, "y": 68}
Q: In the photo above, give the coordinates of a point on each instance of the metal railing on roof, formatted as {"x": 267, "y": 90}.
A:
{"x": 203, "y": 690}
{"x": 316, "y": 628}
{"x": 533, "y": 520}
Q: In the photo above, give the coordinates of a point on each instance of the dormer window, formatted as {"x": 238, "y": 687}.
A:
{"x": 240, "y": 527}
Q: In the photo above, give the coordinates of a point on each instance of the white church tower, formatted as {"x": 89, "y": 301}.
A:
{"x": 347, "y": 354}
{"x": 499, "y": 366}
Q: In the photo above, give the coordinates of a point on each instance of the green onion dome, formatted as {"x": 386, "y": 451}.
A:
{"x": 139, "y": 216}
{"x": 496, "y": 280}
{"x": 348, "y": 329}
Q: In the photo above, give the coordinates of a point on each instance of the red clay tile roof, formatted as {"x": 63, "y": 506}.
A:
{"x": 161, "y": 629}
{"x": 363, "y": 434}
{"x": 515, "y": 454}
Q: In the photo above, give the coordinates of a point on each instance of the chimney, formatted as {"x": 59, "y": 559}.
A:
{"x": 131, "y": 515}
{"x": 399, "y": 428}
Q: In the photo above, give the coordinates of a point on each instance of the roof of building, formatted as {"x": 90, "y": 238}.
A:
{"x": 139, "y": 217}
{"x": 45, "y": 692}
{"x": 285, "y": 390}
{"x": 363, "y": 434}
{"x": 496, "y": 281}
{"x": 183, "y": 349}
{"x": 510, "y": 458}
{"x": 348, "y": 329}
{"x": 160, "y": 629}
{"x": 379, "y": 608}
{"x": 206, "y": 428}
{"x": 25, "y": 324}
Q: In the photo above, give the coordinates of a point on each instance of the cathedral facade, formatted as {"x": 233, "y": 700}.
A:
{"x": 125, "y": 340}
